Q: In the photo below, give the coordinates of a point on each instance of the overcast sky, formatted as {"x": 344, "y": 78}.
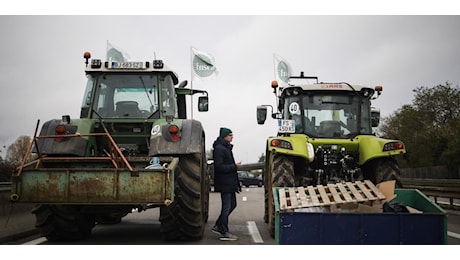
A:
{"x": 42, "y": 65}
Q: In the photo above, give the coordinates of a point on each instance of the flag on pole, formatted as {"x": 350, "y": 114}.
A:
{"x": 115, "y": 53}
{"x": 203, "y": 65}
{"x": 282, "y": 70}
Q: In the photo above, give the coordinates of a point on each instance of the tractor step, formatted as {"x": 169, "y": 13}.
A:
{"x": 332, "y": 194}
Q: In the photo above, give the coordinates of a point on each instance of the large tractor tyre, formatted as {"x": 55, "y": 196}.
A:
{"x": 205, "y": 185}
{"x": 281, "y": 173}
{"x": 382, "y": 170}
{"x": 63, "y": 222}
{"x": 184, "y": 219}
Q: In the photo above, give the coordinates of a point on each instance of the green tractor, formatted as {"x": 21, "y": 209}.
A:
{"x": 325, "y": 135}
{"x": 132, "y": 149}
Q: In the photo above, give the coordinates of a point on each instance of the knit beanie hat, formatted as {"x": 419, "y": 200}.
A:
{"x": 224, "y": 132}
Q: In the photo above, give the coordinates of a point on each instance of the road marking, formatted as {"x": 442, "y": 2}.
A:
{"x": 37, "y": 241}
{"x": 245, "y": 198}
{"x": 454, "y": 235}
{"x": 252, "y": 227}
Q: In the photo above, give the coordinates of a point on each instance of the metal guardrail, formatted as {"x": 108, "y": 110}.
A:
{"x": 452, "y": 194}
{"x": 251, "y": 166}
{"x": 454, "y": 183}
{"x": 437, "y": 187}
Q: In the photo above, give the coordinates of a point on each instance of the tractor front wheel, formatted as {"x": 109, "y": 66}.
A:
{"x": 281, "y": 173}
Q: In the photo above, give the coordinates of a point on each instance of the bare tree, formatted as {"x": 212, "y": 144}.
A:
{"x": 18, "y": 149}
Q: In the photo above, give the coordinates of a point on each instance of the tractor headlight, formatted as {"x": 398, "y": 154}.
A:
{"x": 311, "y": 152}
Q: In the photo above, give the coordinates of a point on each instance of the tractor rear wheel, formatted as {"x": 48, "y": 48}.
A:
{"x": 281, "y": 174}
{"x": 63, "y": 222}
{"x": 185, "y": 218}
{"x": 382, "y": 170}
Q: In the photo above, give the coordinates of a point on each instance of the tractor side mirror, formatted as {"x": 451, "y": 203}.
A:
{"x": 261, "y": 114}
{"x": 375, "y": 118}
{"x": 203, "y": 104}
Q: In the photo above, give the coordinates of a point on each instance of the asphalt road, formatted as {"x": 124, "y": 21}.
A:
{"x": 143, "y": 228}
{"x": 246, "y": 222}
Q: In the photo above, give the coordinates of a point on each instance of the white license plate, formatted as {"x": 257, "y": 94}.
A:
{"x": 286, "y": 126}
{"x": 127, "y": 65}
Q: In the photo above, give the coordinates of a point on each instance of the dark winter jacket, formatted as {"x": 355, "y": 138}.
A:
{"x": 225, "y": 169}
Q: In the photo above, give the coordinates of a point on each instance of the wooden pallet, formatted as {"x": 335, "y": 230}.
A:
{"x": 332, "y": 194}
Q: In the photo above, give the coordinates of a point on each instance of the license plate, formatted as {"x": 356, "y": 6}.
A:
{"x": 286, "y": 126}
{"x": 127, "y": 65}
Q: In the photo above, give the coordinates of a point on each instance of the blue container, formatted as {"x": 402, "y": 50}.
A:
{"x": 326, "y": 228}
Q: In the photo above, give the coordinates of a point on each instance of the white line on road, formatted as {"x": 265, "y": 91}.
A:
{"x": 245, "y": 198}
{"x": 454, "y": 235}
{"x": 252, "y": 227}
{"x": 37, "y": 241}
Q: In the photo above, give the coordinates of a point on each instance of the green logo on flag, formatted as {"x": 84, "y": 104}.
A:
{"x": 203, "y": 66}
{"x": 283, "y": 71}
{"x": 115, "y": 55}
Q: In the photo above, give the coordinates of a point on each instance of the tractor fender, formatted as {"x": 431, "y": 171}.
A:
{"x": 295, "y": 145}
{"x": 70, "y": 146}
{"x": 371, "y": 147}
{"x": 191, "y": 136}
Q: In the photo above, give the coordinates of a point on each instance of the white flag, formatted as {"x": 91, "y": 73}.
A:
{"x": 282, "y": 70}
{"x": 203, "y": 65}
{"x": 115, "y": 53}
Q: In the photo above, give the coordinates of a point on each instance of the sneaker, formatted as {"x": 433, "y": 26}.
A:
{"x": 216, "y": 230}
{"x": 227, "y": 236}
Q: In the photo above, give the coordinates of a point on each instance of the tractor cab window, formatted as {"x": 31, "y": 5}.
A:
{"x": 86, "y": 103}
{"x": 126, "y": 96}
{"x": 329, "y": 116}
{"x": 168, "y": 96}
{"x": 293, "y": 112}
{"x": 366, "y": 118}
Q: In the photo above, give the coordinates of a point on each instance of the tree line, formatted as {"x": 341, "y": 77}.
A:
{"x": 429, "y": 127}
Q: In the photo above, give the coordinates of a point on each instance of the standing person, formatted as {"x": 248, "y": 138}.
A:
{"x": 225, "y": 181}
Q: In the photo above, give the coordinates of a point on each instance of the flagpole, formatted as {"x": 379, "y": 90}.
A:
{"x": 275, "y": 76}
{"x": 191, "y": 82}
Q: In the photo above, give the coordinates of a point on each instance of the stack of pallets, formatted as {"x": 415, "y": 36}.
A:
{"x": 330, "y": 195}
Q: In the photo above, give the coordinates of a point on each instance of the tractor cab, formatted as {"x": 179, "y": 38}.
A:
{"x": 323, "y": 110}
